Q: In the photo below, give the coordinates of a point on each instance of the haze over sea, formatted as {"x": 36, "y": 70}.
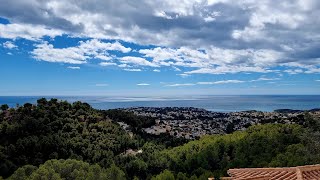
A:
{"x": 220, "y": 103}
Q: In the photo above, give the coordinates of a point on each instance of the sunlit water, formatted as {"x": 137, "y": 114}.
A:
{"x": 212, "y": 103}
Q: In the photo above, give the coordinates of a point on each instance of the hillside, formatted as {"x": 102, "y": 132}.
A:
{"x": 34, "y": 137}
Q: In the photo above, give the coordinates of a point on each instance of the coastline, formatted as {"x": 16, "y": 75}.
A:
{"x": 219, "y": 103}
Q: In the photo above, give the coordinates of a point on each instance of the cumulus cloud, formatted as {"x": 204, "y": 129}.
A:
{"x": 107, "y": 64}
{"x": 156, "y": 70}
{"x": 210, "y": 61}
{"x": 46, "y": 52}
{"x": 157, "y": 18}
{"x": 181, "y": 56}
{"x": 206, "y": 36}
{"x": 214, "y": 60}
{"x": 9, "y": 45}
{"x": 125, "y": 66}
{"x": 90, "y": 49}
{"x": 137, "y": 61}
{"x": 27, "y": 31}
{"x": 95, "y": 45}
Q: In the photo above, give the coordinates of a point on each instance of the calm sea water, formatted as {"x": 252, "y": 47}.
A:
{"x": 212, "y": 103}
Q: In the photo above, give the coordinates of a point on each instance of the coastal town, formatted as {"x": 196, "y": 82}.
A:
{"x": 192, "y": 123}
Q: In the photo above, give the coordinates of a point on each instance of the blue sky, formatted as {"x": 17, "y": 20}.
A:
{"x": 159, "y": 48}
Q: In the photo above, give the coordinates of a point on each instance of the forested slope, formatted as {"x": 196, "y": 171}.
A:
{"x": 259, "y": 146}
{"x": 58, "y": 130}
{"x": 46, "y": 138}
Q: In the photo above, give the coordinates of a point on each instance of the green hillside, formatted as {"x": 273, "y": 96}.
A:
{"x": 55, "y": 139}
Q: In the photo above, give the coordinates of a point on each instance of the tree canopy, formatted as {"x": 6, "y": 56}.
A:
{"x": 67, "y": 169}
{"x": 59, "y": 140}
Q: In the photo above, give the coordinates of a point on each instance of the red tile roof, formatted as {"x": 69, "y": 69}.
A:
{"x": 309, "y": 172}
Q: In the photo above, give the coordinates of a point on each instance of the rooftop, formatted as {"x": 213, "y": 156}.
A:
{"x": 309, "y": 172}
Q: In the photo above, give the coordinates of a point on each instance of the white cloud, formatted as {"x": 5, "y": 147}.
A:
{"x": 116, "y": 24}
{"x": 209, "y": 61}
{"x": 221, "y": 82}
{"x": 95, "y": 45}
{"x": 137, "y": 61}
{"x": 184, "y": 84}
{"x": 248, "y": 57}
{"x": 176, "y": 69}
{"x": 209, "y": 36}
{"x": 293, "y": 71}
{"x": 183, "y": 75}
{"x": 265, "y": 79}
{"x": 228, "y": 69}
{"x": 223, "y": 60}
{"x": 313, "y": 70}
{"x": 103, "y": 57}
{"x": 170, "y": 23}
{"x": 125, "y": 66}
{"x": 107, "y": 64}
{"x": 133, "y": 70}
{"x": 143, "y": 84}
{"x": 9, "y": 45}
{"x": 73, "y": 67}
{"x": 46, "y": 52}
{"x": 181, "y": 57}
{"x": 261, "y": 21}
{"x": 298, "y": 67}
{"x": 156, "y": 70}
{"x": 27, "y": 31}
{"x": 230, "y": 81}
{"x": 90, "y": 49}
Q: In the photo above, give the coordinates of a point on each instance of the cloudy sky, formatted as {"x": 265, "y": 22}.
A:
{"x": 159, "y": 47}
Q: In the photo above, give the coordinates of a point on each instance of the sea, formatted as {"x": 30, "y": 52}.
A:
{"x": 217, "y": 103}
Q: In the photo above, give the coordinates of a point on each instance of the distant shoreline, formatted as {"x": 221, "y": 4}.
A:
{"x": 248, "y": 111}
{"x": 236, "y": 103}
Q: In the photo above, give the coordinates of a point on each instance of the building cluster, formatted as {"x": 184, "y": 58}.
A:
{"x": 191, "y": 123}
